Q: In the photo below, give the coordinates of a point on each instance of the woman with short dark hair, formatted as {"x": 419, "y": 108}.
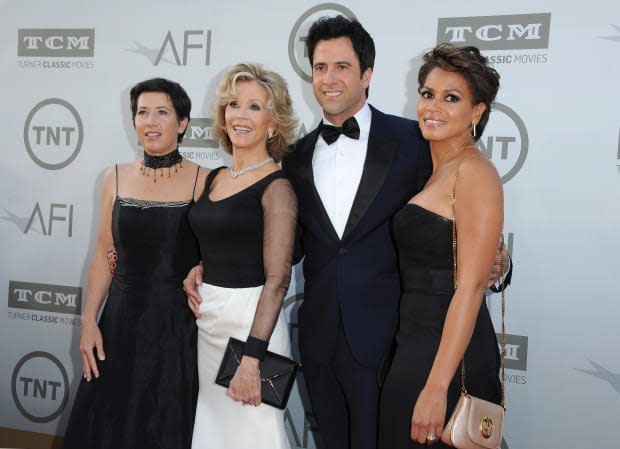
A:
{"x": 140, "y": 382}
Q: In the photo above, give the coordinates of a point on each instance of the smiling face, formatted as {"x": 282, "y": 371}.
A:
{"x": 156, "y": 123}
{"x": 446, "y": 110}
{"x": 248, "y": 121}
{"x": 337, "y": 81}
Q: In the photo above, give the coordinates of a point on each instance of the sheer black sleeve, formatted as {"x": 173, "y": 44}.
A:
{"x": 280, "y": 220}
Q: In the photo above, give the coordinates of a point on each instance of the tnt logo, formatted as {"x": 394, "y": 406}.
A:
{"x": 53, "y": 134}
{"x": 505, "y": 141}
{"x": 297, "y": 39}
{"x": 40, "y": 387}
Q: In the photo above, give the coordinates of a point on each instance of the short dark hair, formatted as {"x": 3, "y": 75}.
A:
{"x": 327, "y": 28}
{"x": 179, "y": 98}
{"x": 482, "y": 79}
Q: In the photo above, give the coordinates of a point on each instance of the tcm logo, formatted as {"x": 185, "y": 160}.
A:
{"x": 45, "y": 297}
{"x": 53, "y": 134}
{"x": 516, "y": 352}
{"x": 505, "y": 141}
{"x": 48, "y": 42}
{"x": 200, "y": 134}
{"x": 511, "y": 32}
{"x": 195, "y": 44}
{"x": 297, "y": 39}
{"x": 40, "y": 387}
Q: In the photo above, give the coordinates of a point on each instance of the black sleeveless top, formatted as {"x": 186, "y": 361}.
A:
{"x": 230, "y": 233}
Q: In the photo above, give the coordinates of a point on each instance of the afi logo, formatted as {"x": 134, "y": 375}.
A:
{"x": 511, "y": 32}
{"x": 45, "y": 297}
{"x": 196, "y": 41}
{"x": 40, "y": 387}
{"x": 47, "y": 42}
{"x": 57, "y": 212}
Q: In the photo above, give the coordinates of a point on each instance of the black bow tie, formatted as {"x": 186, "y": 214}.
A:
{"x": 349, "y": 128}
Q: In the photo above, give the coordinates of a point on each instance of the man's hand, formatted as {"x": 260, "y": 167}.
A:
{"x": 496, "y": 271}
{"x": 112, "y": 257}
{"x": 190, "y": 287}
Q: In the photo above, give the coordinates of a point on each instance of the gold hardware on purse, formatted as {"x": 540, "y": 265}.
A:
{"x": 476, "y": 423}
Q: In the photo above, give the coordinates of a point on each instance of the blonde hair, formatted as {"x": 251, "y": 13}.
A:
{"x": 279, "y": 103}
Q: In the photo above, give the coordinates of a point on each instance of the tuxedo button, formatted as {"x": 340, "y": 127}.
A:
{"x": 342, "y": 251}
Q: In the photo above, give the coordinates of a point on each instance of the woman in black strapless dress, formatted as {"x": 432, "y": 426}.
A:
{"x": 438, "y": 324}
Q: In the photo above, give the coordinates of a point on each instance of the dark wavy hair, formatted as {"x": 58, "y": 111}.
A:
{"x": 179, "y": 98}
{"x": 327, "y": 28}
{"x": 483, "y": 80}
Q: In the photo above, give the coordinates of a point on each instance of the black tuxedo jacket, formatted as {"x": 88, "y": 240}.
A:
{"x": 355, "y": 278}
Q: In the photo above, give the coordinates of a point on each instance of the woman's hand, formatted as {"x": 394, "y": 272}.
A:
{"x": 429, "y": 415}
{"x": 90, "y": 339}
{"x": 245, "y": 385}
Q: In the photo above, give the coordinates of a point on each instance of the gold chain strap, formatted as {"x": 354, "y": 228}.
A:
{"x": 502, "y": 338}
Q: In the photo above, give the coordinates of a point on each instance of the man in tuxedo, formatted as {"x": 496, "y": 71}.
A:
{"x": 351, "y": 174}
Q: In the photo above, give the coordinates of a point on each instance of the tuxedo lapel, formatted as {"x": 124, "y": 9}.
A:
{"x": 313, "y": 204}
{"x": 379, "y": 157}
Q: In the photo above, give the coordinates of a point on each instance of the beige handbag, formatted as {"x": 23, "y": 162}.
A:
{"x": 475, "y": 423}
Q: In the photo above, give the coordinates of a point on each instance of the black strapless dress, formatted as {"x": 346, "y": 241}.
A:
{"x": 424, "y": 243}
{"x": 146, "y": 394}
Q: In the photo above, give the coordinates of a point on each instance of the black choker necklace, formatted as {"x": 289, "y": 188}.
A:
{"x": 160, "y": 162}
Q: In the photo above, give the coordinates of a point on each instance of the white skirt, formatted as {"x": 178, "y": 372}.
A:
{"x": 222, "y": 423}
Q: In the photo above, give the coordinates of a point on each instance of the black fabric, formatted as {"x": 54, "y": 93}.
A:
{"x": 247, "y": 240}
{"x": 344, "y": 396}
{"x": 230, "y": 232}
{"x": 349, "y": 128}
{"x": 424, "y": 243}
{"x": 146, "y": 394}
{"x": 277, "y": 373}
{"x": 255, "y": 347}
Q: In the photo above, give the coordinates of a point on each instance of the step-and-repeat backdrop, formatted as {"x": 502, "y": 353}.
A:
{"x": 67, "y": 67}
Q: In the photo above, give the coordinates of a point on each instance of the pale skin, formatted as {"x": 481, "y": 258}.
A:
{"x": 446, "y": 113}
{"x": 157, "y": 127}
{"x": 248, "y": 124}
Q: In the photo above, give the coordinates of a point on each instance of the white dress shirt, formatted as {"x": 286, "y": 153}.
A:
{"x": 338, "y": 168}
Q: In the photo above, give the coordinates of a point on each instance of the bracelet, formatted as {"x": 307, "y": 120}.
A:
{"x": 247, "y": 379}
{"x": 255, "y": 347}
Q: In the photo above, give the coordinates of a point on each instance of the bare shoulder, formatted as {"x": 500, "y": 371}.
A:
{"x": 477, "y": 169}
{"x": 193, "y": 167}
